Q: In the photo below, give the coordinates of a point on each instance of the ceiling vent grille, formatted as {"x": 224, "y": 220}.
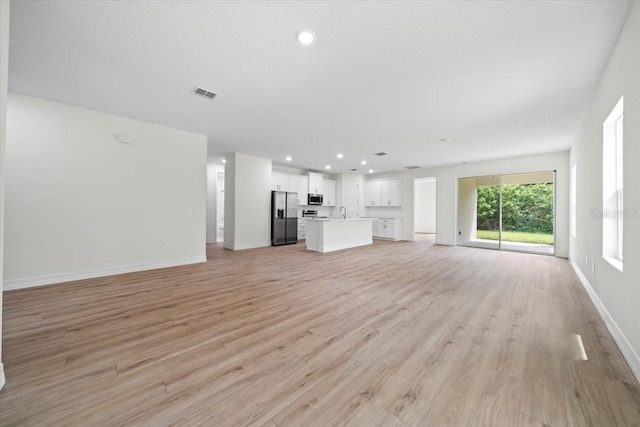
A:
{"x": 412, "y": 167}
{"x": 204, "y": 92}
{"x": 380, "y": 154}
{"x": 353, "y": 170}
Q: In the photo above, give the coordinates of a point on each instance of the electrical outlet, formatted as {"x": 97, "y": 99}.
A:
{"x": 586, "y": 259}
{"x": 164, "y": 245}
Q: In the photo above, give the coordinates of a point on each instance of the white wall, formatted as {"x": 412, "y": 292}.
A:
{"x": 230, "y": 202}
{"x": 80, "y": 204}
{"x": 425, "y": 206}
{"x": 4, "y": 66}
{"x": 616, "y": 294}
{"x": 467, "y": 209}
{"x": 446, "y": 189}
{"x": 247, "y": 202}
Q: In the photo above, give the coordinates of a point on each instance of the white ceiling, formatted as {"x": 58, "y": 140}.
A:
{"x": 500, "y": 78}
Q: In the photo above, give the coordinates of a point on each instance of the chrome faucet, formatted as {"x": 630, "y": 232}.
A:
{"x": 344, "y": 215}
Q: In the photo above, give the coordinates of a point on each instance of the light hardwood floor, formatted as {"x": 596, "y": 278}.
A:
{"x": 394, "y": 334}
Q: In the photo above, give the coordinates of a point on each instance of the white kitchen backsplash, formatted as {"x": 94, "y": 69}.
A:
{"x": 322, "y": 210}
{"x": 383, "y": 212}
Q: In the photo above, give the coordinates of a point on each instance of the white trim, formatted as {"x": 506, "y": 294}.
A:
{"x": 3, "y": 379}
{"x": 247, "y": 246}
{"x": 615, "y": 262}
{"x": 625, "y": 347}
{"x": 341, "y": 246}
{"x": 30, "y": 282}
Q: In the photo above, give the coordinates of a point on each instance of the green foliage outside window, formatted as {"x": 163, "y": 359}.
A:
{"x": 525, "y": 207}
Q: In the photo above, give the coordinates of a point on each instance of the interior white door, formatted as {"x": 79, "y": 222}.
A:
{"x": 350, "y": 198}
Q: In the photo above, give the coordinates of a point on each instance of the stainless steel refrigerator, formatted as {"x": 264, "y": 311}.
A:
{"x": 284, "y": 218}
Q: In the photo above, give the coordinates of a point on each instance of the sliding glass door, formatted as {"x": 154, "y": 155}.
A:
{"x": 528, "y": 212}
{"x": 510, "y": 212}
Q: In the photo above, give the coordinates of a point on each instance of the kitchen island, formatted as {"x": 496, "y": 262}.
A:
{"x": 333, "y": 234}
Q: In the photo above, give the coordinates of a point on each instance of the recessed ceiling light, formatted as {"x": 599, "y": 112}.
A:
{"x": 328, "y": 167}
{"x": 370, "y": 170}
{"x": 445, "y": 139}
{"x": 364, "y": 162}
{"x": 224, "y": 160}
{"x": 339, "y": 155}
{"x": 306, "y": 37}
{"x": 288, "y": 159}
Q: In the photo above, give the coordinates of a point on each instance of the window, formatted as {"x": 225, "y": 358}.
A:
{"x": 613, "y": 186}
{"x": 573, "y": 200}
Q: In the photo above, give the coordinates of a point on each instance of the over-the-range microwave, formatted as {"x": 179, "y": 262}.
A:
{"x": 314, "y": 199}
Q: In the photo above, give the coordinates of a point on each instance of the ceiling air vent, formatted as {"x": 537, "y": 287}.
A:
{"x": 380, "y": 154}
{"x": 204, "y": 92}
{"x": 353, "y": 170}
{"x": 412, "y": 167}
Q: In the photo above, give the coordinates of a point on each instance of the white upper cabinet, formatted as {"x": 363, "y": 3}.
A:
{"x": 372, "y": 193}
{"x": 329, "y": 189}
{"x": 303, "y": 185}
{"x": 303, "y": 189}
{"x": 390, "y": 193}
{"x": 384, "y": 192}
{"x": 293, "y": 184}
{"x": 280, "y": 182}
{"x": 315, "y": 183}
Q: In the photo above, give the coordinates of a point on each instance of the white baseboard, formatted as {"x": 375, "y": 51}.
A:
{"x": 625, "y": 347}
{"x": 248, "y": 246}
{"x": 339, "y": 247}
{"x": 3, "y": 379}
{"x": 30, "y": 282}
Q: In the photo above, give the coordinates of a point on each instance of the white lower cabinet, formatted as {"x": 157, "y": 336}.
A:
{"x": 302, "y": 228}
{"x": 387, "y": 229}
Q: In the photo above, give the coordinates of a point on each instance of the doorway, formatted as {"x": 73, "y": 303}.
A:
{"x": 514, "y": 212}
{"x": 424, "y": 209}
{"x": 219, "y": 206}
{"x": 350, "y": 199}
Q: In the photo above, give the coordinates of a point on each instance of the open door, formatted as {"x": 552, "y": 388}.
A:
{"x": 514, "y": 212}
{"x": 528, "y": 212}
{"x": 479, "y": 212}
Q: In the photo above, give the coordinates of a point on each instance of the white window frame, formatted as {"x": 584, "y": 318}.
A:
{"x": 574, "y": 198}
{"x": 613, "y": 186}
